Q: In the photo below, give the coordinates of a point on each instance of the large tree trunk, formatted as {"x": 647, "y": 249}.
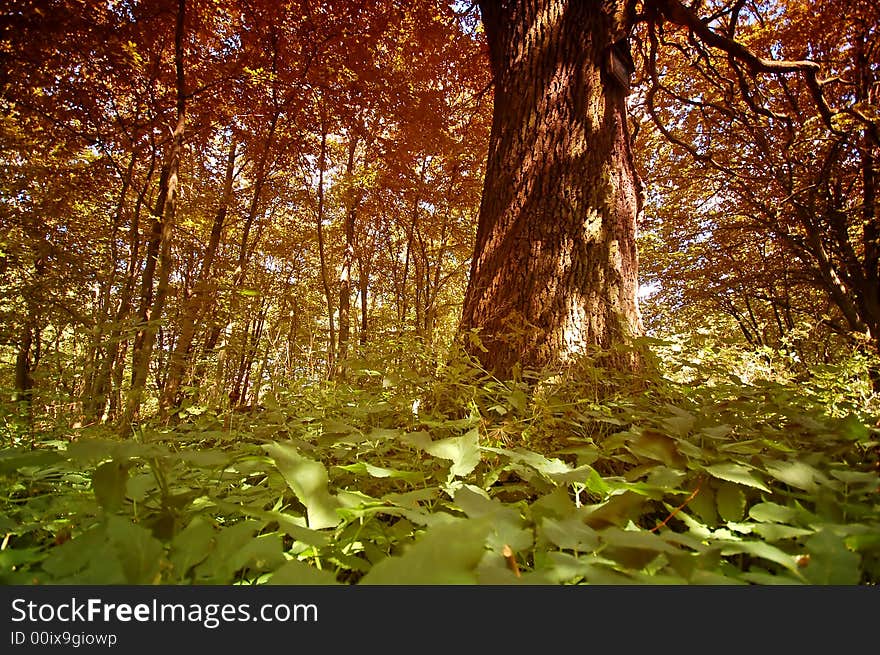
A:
{"x": 555, "y": 265}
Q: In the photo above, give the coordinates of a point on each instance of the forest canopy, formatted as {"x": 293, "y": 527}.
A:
{"x": 302, "y": 292}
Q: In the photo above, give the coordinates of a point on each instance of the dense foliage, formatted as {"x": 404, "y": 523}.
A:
{"x": 727, "y": 471}
{"x": 234, "y": 247}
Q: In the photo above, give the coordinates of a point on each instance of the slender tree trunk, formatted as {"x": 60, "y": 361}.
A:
{"x": 198, "y": 301}
{"x": 24, "y": 379}
{"x": 347, "y": 254}
{"x": 555, "y": 265}
{"x": 364, "y": 268}
{"x": 325, "y": 278}
{"x": 106, "y": 386}
{"x": 159, "y": 249}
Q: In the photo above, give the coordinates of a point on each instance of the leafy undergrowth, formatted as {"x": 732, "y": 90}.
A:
{"x": 707, "y": 476}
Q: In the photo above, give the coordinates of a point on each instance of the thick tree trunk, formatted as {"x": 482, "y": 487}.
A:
{"x": 555, "y": 266}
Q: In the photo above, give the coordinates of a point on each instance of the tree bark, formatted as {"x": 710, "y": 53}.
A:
{"x": 159, "y": 248}
{"x": 198, "y": 301}
{"x": 325, "y": 278}
{"x": 351, "y": 211}
{"x": 554, "y": 272}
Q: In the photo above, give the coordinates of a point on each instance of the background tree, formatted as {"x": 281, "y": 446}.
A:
{"x": 762, "y": 208}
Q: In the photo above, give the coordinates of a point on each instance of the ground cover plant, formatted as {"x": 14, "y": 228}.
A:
{"x": 719, "y": 472}
{"x": 532, "y": 291}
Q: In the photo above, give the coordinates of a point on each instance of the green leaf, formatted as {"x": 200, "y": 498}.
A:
{"x": 680, "y": 424}
{"x": 653, "y": 445}
{"x": 796, "y": 474}
{"x": 464, "y": 451}
{"x": 763, "y": 550}
{"x": 704, "y": 505}
{"x": 737, "y": 473}
{"x": 775, "y": 532}
{"x": 13, "y": 459}
{"x": 549, "y": 467}
{"x": 731, "y": 501}
{"x": 446, "y": 554}
{"x": 381, "y": 472}
{"x": 772, "y": 512}
{"x": 518, "y": 400}
{"x": 89, "y": 558}
{"x": 218, "y": 567}
{"x": 191, "y": 546}
{"x": 308, "y": 479}
{"x": 295, "y": 572}
{"x": 507, "y": 524}
{"x": 570, "y": 534}
{"x": 263, "y": 553}
{"x": 640, "y": 539}
{"x": 831, "y": 562}
{"x": 108, "y": 483}
{"x": 139, "y": 552}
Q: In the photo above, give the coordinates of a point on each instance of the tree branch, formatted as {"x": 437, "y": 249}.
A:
{"x": 679, "y": 14}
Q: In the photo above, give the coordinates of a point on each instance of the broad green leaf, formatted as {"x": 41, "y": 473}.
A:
{"x": 464, "y": 451}
{"x": 335, "y": 426}
{"x": 566, "y": 568}
{"x": 831, "y": 562}
{"x": 775, "y": 532}
{"x": 108, "y": 483}
{"x": 507, "y": 524}
{"x": 716, "y": 431}
{"x": 381, "y": 472}
{"x": 557, "y": 503}
{"x": 518, "y": 400}
{"x": 641, "y": 539}
{"x": 737, "y": 473}
{"x": 544, "y": 465}
{"x": 680, "y": 424}
{"x": 656, "y": 446}
{"x": 191, "y": 546}
{"x": 570, "y": 534}
{"x": 761, "y": 578}
{"x": 794, "y": 473}
{"x": 617, "y": 510}
{"x": 139, "y": 486}
{"x": 295, "y": 572}
{"x": 704, "y": 505}
{"x": 205, "y": 458}
{"x": 89, "y": 558}
{"x": 731, "y": 501}
{"x": 772, "y": 512}
{"x": 262, "y": 553}
{"x": 445, "y": 554}
{"x": 857, "y": 478}
{"x": 308, "y": 479}
{"x": 13, "y": 459}
{"x": 763, "y": 550}
{"x": 139, "y": 552}
{"x": 218, "y": 567}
